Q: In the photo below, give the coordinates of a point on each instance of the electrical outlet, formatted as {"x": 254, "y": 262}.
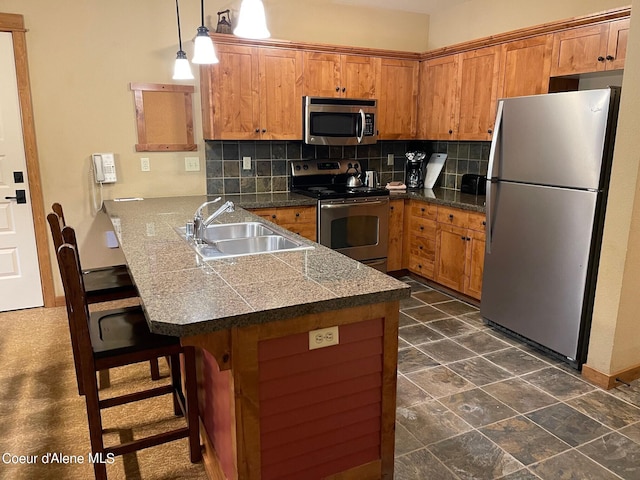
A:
{"x": 145, "y": 165}
{"x": 325, "y": 337}
{"x": 246, "y": 163}
{"x": 192, "y": 164}
{"x": 390, "y": 159}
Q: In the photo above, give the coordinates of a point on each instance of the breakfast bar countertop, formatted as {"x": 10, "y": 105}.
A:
{"x": 183, "y": 295}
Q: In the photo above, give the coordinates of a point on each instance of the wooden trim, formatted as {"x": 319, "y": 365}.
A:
{"x": 15, "y": 24}
{"x": 162, "y": 87}
{"x": 217, "y": 344}
{"x": 368, "y": 471}
{"x": 210, "y": 457}
{"x": 389, "y": 379}
{"x": 522, "y": 33}
{"x": 609, "y": 381}
{"x": 166, "y": 147}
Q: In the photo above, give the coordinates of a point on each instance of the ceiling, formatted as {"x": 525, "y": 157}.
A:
{"x": 416, "y": 6}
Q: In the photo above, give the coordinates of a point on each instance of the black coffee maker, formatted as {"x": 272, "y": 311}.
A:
{"x": 414, "y": 170}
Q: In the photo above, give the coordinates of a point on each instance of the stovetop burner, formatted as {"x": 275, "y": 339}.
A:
{"x": 327, "y": 179}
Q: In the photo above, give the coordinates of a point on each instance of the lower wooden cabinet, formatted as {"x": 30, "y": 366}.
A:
{"x": 446, "y": 245}
{"x": 396, "y": 235}
{"x": 300, "y": 220}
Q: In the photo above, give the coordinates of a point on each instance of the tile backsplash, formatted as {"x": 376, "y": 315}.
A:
{"x": 270, "y": 162}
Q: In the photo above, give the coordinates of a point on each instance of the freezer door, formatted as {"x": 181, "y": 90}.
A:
{"x": 556, "y": 139}
{"x": 536, "y": 272}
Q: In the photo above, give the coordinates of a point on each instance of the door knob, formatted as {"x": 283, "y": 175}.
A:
{"x": 21, "y": 196}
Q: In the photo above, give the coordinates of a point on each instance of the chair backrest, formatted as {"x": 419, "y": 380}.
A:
{"x": 57, "y": 208}
{"x": 55, "y": 226}
{"x": 77, "y": 307}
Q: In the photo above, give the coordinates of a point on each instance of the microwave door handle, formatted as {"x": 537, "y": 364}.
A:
{"x": 360, "y": 134}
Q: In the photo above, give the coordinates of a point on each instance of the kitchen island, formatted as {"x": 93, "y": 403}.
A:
{"x": 270, "y": 406}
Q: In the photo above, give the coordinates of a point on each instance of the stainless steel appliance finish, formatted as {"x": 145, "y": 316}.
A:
{"x": 356, "y": 227}
{"x": 546, "y": 195}
{"x": 352, "y": 220}
{"x": 339, "y": 121}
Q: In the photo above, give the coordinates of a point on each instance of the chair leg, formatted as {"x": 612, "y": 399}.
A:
{"x": 192, "y": 404}
{"x": 95, "y": 423}
{"x": 176, "y": 381}
{"x": 155, "y": 369}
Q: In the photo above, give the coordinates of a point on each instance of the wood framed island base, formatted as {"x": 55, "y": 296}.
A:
{"x": 272, "y": 408}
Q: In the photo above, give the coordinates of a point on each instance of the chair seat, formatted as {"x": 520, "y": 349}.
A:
{"x": 123, "y": 331}
{"x": 108, "y": 283}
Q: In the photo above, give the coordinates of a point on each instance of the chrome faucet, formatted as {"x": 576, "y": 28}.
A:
{"x": 199, "y": 224}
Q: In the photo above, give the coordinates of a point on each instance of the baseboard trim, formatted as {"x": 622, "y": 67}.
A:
{"x": 609, "y": 381}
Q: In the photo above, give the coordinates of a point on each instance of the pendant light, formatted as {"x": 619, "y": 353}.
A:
{"x": 203, "y": 51}
{"x": 251, "y": 21}
{"x": 181, "y": 69}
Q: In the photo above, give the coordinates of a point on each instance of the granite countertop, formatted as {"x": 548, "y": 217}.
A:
{"x": 440, "y": 196}
{"x": 183, "y": 295}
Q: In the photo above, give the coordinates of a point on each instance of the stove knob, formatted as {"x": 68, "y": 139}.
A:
{"x": 356, "y": 166}
{"x": 297, "y": 167}
{"x": 305, "y": 167}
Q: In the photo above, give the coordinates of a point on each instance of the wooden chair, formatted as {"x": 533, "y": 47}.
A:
{"x": 114, "y": 338}
{"x": 101, "y": 288}
{"x": 101, "y": 284}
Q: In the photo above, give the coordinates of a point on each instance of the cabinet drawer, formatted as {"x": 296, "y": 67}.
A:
{"x": 296, "y": 215}
{"x": 422, "y": 227}
{"x": 421, "y": 267}
{"x": 453, "y": 216}
{"x": 424, "y": 210}
{"x": 477, "y": 221}
{"x": 424, "y": 248}
{"x": 306, "y": 230}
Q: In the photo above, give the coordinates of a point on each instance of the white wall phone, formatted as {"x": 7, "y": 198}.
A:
{"x": 104, "y": 167}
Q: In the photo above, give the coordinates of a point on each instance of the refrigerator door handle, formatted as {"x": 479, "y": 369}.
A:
{"x": 492, "y": 158}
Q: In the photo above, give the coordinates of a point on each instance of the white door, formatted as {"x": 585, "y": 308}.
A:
{"x": 20, "y": 285}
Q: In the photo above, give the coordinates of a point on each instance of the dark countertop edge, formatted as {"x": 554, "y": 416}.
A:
{"x": 277, "y": 314}
{"x": 443, "y": 196}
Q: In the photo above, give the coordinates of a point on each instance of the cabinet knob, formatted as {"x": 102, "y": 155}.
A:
{"x": 468, "y": 239}
{"x": 420, "y": 247}
{"x": 484, "y": 223}
{"x": 450, "y": 132}
{"x": 297, "y": 214}
{"x": 610, "y": 57}
{"x": 273, "y": 216}
{"x": 337, "y": 89}
{"x": 451, "y": 216}
{"x": 463, "y": 237}
{"x": 421, "y": 228}
{"x": 257, "y": 130}
{"x": 489, "y": 131}
{"x": 422, "y": 209}
{"x": 601, "y": 59}
{"x": 264, "y": 130}
{"x": 344, "y": 89}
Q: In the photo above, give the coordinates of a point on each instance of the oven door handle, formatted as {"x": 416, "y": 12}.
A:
{"x": 360, "y": 134}
{"x": 346, "y": 205}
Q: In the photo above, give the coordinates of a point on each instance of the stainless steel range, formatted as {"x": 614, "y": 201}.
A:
{"x": 352, "y": 218}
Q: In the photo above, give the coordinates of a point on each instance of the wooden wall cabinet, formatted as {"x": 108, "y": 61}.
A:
{"x": 460, "y": 250}
{"x": 252, "y": 94}
{"x": 593, "y": 48}
{"x": 397, "y": 99}
{"x": 335, "y": 75}
{"x": 299, "y": 220}
{"x": 396, "y": 237}
{"x": 458, "y": 95}
{"x": 526, "y": 67}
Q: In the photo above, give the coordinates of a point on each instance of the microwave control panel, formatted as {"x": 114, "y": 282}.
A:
{"x": 369, "y": 124}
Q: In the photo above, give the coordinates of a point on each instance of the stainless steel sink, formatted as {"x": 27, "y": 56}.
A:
{"x": 239, "y": 239}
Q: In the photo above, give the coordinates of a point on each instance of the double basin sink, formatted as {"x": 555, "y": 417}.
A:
{"x": 240, "y": 239}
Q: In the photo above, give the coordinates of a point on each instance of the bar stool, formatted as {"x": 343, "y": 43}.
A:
{"x": 119, "y": 337}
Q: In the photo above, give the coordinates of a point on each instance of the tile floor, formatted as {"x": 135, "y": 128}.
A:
{"x": 476, "y": 404}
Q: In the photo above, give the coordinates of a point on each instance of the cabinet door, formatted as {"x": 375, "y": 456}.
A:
{"x": 477, "y": 93}
{"x": 321, "y": 74}
{"x": 474, "y": 263}
{"x": 397, "y": 103}
{"x": 617, "y": 44}
{"x": 451, "y": 256}
{"x": 230, "y": 103}
{"x": 580, "y": 50}
{"x": 280, "y": 94}
{"x": 359, "y": 76}
{"x": 396, "y": 222}
{"x": 526, "y": 66}
{"x": 436, "y": 100}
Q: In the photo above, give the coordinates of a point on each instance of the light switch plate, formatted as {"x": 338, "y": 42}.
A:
{"x": 192, "y": 164}
{"x": 246, "y": 163}
{"x": 390, "y": 159}
{"x": 145, "y": 165}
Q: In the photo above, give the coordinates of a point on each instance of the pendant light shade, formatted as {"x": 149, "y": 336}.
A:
{"x": 252, "y": 22}
{"x": 181, "y": 69}
{"x": 203, "y": 51}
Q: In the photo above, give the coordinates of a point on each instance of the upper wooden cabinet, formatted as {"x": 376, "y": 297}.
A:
{"x": 458, "y": 95}
{"x": 526, "y": 67}
{"x": 594, "y": 48}
{"x": 397, "y": 99}
{"x": 335, "y": 75}
{"x": 253, "y": 94}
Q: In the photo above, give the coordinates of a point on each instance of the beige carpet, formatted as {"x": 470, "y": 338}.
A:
{"x": 41, "y": 412}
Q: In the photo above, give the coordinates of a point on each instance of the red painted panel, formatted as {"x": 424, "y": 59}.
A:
{"x": 320, "y": 410}
{"x": 319, "y": 394}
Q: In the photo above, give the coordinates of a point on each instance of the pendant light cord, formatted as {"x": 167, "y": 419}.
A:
{"x": 201, "y": 12}
{"x": 178, "y": 16}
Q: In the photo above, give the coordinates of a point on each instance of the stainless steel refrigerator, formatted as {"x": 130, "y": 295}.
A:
{"x": 547, "y": 184}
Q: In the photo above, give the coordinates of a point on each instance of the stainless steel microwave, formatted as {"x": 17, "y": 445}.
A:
{"x": 340, "y": 121}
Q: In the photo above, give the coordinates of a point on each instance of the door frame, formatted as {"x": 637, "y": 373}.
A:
{"x": 14, "y": 24}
